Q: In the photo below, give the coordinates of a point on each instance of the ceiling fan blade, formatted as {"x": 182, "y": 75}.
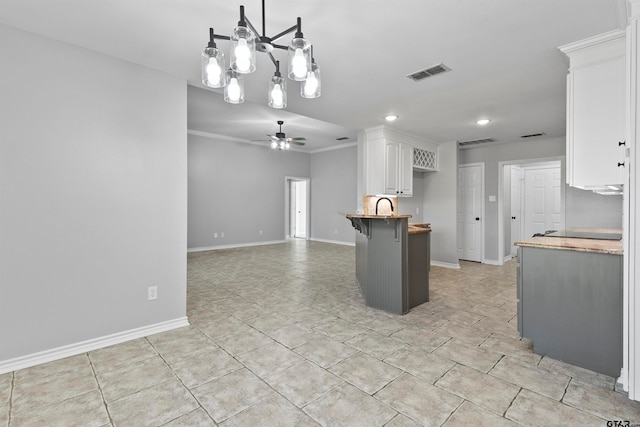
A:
{"x": 261, "y": 140}
{"x": 297, "y": 143}
{"x": 273, "y": 137}
{"x": 299, "y": 138}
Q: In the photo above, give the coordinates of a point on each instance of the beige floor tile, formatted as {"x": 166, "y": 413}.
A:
{"x": 156, "y": 405}
{"x": 181, "y": 345}
{"x": 376, "y": 345}
{"x": 4, "y": 414}
{"x": 311, "y": 318}
{"x": 463, "y": 333}
{"x": 427, "y": 404}
{"x": 500, "y": 327}
{"x": 6, "y": 381}
{"x": 325, "y": 351}
{"x": 477, "y": 387}
{"x": 238, "y": 343}
{"x": 601, "y": 402}
{"x": 292, "y": 336}
{"x": 348, "y": 406}
{"x": 84, "y": 410}
{"x": 226, "y": 326}
{"x": 268, "y": 359}
{"x": 512, "y": 347}
{"x": 577, "y": 372}
{"x": 270, "y": 322}
{"x": 383, "y": 325}
{"x": 49, "y": 390}
{"x": 548, "y": 384}
{"x": 532, "y": 409}
{"x": 420, "y": 363}
{"x": 339, "y": 329}
{"x": 303, "y": 382}
{"x": 402, "y": 421}
{"x": 469, "y": 414}
{"x": 204, "y": 367}
{"x": 468, "y": 355}
{"x": 129, "y": 379}
{"x": 231, "y": 394}
{"x": 273, "y": 411}
{"x": 197, "y": 418}
{"x": 459, "y": 317}
{"x": 366, "y": 372}
{"x": 39, "y": 372}
{"x": 419, "y": 337}
{"x": 126, "y": 353}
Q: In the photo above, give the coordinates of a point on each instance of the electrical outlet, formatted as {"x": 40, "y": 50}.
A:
{"x": 260, "y": 232}
{"x": 215, "y": 235}
{"x": 417, "y": 210}
{"x": 152, "y": 293}
{"x": 492, "y": 198}
{"x": 222, "y": 234}
{"x": 335, "y": 231}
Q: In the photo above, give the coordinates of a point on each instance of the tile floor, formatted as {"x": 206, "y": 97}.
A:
{"x": 280, "y": 336}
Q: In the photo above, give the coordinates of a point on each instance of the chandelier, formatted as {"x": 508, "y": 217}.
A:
{"x": 245, "y": 41}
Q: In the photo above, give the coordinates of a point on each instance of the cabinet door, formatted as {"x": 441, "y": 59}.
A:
{"x": 405, "y": 170}
{"x": 391, "y": 162}
{"x": 597, "y": 123}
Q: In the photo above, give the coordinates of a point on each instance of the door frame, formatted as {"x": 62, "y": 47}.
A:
{"x": 287, "y": 205}
{"x": 523, "y": 163}
{"x": 482, "y": 206}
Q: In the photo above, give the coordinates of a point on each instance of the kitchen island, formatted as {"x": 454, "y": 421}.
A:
{"x": 570, "y": 298}
{"x": 392, "y": 261}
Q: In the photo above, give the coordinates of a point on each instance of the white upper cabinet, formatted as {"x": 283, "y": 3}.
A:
{"x": 388, "y": 158}
{"x": 596, "y": 111}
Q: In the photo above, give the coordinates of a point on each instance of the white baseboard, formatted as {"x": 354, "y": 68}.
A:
{"x": 491, "y": 261}
{"x": 335, "y": 242}
{"x": 507, "y": 258}
{"x": 238, "y": 245}
{"x": 446, "y": 264}
{"x": 88, "y": 345}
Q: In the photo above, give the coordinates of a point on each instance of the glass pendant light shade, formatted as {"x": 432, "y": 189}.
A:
{"x": 277, "y": 92}
{"x": 213, "y": 67}
{"x": 243, "y": 50}
{"x": 234, "y": 89}
{"x": 299, "y": 59}
{"x": 310, "y": 88}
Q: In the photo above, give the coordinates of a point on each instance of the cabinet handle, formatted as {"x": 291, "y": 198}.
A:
{"x": 402, "y": 192}
{"x": 620, "y": 164}
{"x": 477, "y": 218}
{"x": 513, "y": 217}
{"x": 622, "y": 143}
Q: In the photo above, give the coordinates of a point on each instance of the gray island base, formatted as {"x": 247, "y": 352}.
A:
{"x": 392, "y": 267}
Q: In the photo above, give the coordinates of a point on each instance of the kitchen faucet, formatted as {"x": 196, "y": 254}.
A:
{"x": 384, "y": 198}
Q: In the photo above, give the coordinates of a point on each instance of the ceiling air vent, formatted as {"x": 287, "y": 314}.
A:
{"x": 431, "y": 71}
{"x": 532, "y": 135}
{"x": 475, "y": 141}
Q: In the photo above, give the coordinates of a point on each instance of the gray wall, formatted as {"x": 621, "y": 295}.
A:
{"x": 581, "y": 207}
{"x": 333, "y": 194}
{"x": 414, "y": 205}
{"x": 93, "y": 195}
{"x": 440, "y": 194}
{"x": 238, "y": 189}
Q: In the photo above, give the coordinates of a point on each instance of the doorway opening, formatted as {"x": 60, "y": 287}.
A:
{"x": 297, "y": 213}
{"x": 532, "y": 200}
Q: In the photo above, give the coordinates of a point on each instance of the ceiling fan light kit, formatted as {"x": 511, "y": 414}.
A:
{"x": 279, "y": 141}
{"x": 245, "y": 40}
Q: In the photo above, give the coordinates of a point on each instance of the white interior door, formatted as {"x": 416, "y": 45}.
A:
{"x": 543, "y": 207}
{"x": 300, "y": 209}
{"x": 469, "y": 219}
{"x": 516, "y": 207}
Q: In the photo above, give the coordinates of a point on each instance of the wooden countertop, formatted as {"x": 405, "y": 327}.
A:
{"x": 378, "y": 216}
{"x": 613, "y": 247}
{"x": 419, "y": 228}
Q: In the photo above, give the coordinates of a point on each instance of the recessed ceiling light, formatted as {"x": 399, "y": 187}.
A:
{"x": 390, "y": 117}
{"x": 482, "y": 122}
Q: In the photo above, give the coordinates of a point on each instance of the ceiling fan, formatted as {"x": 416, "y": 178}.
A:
{"x": 279, "y": 141}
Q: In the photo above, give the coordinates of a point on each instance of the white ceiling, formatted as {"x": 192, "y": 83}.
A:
{"x": 503, "y": 55}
